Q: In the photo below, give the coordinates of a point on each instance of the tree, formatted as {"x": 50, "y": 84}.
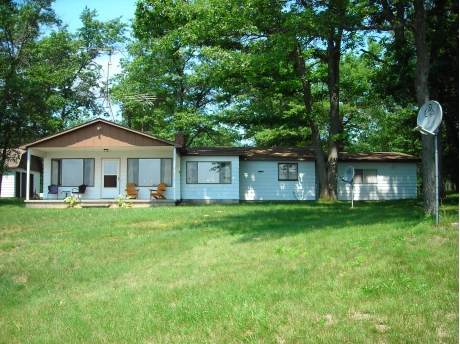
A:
{"x": 46, "y": 80}
{"x": 76, "y": 72}
{"x": 20, "y": 26}
{"x": 306, "y": 34}
{"x": 442, "y": 37}
{"x": 411, "y": 50}
{"x": 274, "y": 70}
{"x": 166, "y": 86}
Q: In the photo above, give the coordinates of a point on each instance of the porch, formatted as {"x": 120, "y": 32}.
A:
{"x": 100, "y": 203}
{"x": 105, "y": 157}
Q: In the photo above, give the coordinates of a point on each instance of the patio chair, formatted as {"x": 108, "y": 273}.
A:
{"x": 131, "y": 190}
{"x": 158, "y": 193}
{"x": 53, "y": 190}
{"x": 79, "y": 191}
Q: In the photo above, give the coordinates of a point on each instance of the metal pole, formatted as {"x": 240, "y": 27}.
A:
{"x": 352, "y": 193}
{"x": 436, "y": 174}
{"x": 27, "y": 186}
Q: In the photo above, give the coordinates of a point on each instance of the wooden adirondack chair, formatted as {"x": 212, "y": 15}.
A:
{"x": 131, "y": 190}
{"x": 158, "y": 193}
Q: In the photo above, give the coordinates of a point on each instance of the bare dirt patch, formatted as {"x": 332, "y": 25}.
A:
{"x": 360, "y": 316}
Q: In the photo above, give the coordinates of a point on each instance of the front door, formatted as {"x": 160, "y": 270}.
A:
{"x": 110, "y": 178}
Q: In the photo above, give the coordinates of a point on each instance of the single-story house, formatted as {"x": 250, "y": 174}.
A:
{"x": 14, "y": 181}
{"x": 105, "y": 156}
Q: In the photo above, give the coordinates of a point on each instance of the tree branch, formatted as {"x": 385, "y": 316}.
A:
{"x": 374, "y": 56}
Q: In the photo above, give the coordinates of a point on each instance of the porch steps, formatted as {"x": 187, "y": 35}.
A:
{"x": 86, "y": 205}
{"x": 95, "y": 203}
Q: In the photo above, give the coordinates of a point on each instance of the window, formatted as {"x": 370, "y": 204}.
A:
{"x": 287, "y": 171}
{"x": 204, "y": 172}
{"x": 72, "y": 172}
{"x": 365, "y": 176}
{"x": 150, "y": 172}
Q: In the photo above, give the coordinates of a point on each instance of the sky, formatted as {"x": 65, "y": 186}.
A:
{"x": 69, "y": 12}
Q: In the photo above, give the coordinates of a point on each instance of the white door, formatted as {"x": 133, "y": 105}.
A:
{"x": 110, "y": 178}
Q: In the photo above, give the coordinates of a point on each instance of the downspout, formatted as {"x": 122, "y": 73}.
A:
{"x": 174, "y": 174}
{"x": 28, "y": 176}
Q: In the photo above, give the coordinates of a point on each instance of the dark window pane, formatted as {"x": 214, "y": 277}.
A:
{"x": 110, "y": 181}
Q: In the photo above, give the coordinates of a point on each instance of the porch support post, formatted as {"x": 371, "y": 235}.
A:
{"x": 28, "y": 176}
{"x": 174, "y": 173}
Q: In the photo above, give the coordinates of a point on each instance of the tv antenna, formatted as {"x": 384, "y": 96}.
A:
{"x": 348, "y": 178}
{"x": 107, "y": 101}
{"x": 141, "y": 98}
{"x": 428, "y": 120}
{"x": 107, "y": 94}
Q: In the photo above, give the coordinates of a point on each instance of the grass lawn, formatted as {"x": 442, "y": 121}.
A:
{"x": 250, "y": 273}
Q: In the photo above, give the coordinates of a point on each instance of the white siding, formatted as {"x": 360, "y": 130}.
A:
{"x": 94, "y": 192}
{"x": 259, "y": 182}
{"x": 177, "y": 177}
{"x": 9, "y": 183}
{"x": 394, "y": 181}
{"x": 210, "y": 192}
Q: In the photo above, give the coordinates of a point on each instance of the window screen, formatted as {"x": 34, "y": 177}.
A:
{"x": 287, "y": 171}
{"x": 206, "y": 172}
{"x": 363, "y": 176}
{"x": 150, "y": 172}
{"x": 72, "y": 172}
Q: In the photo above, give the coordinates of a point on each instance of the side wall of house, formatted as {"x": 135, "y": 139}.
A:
{"x": 94, "y": 192}
{"x": 394, "y": 181}
{"x": 210, "y": 193}
{"x": 259, "y": 182}
{"x": 9, "y": 183}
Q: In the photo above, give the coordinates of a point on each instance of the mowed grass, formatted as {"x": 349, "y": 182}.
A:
{"x": 250, "y": 273}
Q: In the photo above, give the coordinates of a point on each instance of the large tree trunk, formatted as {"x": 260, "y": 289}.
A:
{"x": 317, "y": 144}
{"x": 423, "y": 95}
{"x": 335, "y": 123}
{"x": 321, "y": 165}
{"x": 327, "y": 171}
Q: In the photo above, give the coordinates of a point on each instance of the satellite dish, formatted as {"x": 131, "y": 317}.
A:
{"x": 349, "y": 174}
{"x": 429, "y": 117}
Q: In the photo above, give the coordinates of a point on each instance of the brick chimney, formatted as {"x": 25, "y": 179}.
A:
{"x": 180, "y": 139}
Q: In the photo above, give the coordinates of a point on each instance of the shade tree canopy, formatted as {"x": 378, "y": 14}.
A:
{"x": 49, "y": 77}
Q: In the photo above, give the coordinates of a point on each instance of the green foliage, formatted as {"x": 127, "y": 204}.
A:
{"x": 442, "y": 34}
{"x": 241, "y": 55}
{"x": 72, "y": 201}
{"x": 121, "y": 201}
{"x": 164, "y": 65}
{"x": 49, "y": 77}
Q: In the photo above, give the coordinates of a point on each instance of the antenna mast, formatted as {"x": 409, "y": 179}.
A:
{"x": 109, "y": 63}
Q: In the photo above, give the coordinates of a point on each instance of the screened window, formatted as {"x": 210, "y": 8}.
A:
{"x": 365, "y": 176}
{"x": 150, "y": 172}
{"x": 205, "y": 172}
{"x": 72, "y": 172}
{"x": 287, "y": 171}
